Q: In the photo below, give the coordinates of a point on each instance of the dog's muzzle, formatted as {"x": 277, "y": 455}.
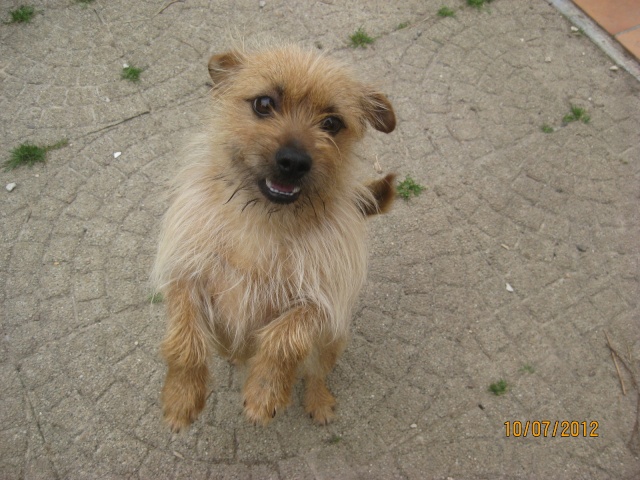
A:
{"x": 291, "y": 165}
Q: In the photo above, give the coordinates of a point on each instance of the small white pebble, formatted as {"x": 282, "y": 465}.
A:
{"x": 117, "y": 154}
{"x": 135, "y": 343}
{"x": 413, "y": 425}
{"x": 125, "y": 65}
{"x": 547, "y": 59}
{"x": 575, "y": 29}
{"x": 509, "y": 288}
{"x": 614, "y": 68}
{"x": 37, "y": 175}
{"x": 10, "y": 187}
{"x": 262, "y": 3}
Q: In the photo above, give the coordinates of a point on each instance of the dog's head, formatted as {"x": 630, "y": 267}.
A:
{"x": 288, "y": 119}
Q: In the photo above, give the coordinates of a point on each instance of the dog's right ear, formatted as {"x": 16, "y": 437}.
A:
{"x": 379, "y": 112}
{"x": 222, "y": 66}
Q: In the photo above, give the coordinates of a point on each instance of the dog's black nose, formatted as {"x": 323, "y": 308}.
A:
{"x": 293, "y": 163}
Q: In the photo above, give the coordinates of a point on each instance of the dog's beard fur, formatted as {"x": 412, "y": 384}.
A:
{"x": 232, "y": 260}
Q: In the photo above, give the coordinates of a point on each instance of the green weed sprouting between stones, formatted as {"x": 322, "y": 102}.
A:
{"x": 528, "y": 368}
{"x": 409, "y": 187}
{"x": 446, "y": 12}
{"x": 24, "y": 14}
{"x": 478, "y": 3}
{"x": 131, "y": 73}
{"x": 156, "y": 297}
{"x": 576, "y": 114}
{"x": 547, "y": 128}
{"x": 498, "y": 388}
{"x": 360, "y": 39}
{"x": 402, "y": 25}
{"x": 29, "y": 154}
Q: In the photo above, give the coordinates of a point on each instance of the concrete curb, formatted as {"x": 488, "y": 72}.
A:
{"x": 600, "y": 37}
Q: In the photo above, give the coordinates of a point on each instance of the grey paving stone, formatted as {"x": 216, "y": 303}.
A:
{"x": 553, "y": 215}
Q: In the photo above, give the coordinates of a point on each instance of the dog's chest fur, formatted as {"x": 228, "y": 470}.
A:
{"x": 258, "y": 274}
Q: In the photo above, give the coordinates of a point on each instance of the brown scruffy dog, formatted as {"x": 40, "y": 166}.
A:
{"x": 263, "y": 252}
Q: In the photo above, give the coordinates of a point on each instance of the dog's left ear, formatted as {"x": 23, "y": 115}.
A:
{"x": 223, "y": 65}
{"x": 379, "y": 112}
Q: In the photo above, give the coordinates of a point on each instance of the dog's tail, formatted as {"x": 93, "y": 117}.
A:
{"x": 383, "y": 192}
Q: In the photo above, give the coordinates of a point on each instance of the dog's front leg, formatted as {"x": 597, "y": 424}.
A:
{"x": 282, "y": 346}
{"x": 383, "y": 191}
{"x": 186, "y": 351}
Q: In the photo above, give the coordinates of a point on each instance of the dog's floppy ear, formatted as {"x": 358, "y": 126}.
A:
{"x": 379, "y": 112}
{"x": 223, "y": 65}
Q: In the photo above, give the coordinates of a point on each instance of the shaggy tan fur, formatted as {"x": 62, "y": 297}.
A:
{"x": 256, "y": 276}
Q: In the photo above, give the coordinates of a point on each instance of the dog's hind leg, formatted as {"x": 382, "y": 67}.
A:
{"x": 186, "y": 351}
{"x": 319, "y": 403}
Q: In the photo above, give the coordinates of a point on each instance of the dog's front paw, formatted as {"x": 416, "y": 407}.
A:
{"x": 384, "y": 192}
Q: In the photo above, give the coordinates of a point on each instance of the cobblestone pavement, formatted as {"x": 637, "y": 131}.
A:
{"x": 554, "y": 216}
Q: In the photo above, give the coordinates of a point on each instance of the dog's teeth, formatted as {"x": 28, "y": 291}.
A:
{"x": 276, "y": 190}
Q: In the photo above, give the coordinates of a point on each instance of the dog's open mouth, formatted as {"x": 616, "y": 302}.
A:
{"x": 279, "y": 192}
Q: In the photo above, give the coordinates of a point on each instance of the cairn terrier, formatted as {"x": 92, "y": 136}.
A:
{"x": 263, "y": 252}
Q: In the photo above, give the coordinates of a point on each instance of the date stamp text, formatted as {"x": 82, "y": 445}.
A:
{"x": 551, "y": 428}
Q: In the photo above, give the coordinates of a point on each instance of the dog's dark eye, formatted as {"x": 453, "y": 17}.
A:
{"x": 264, "y": 106}
{"x": 331, "y": 125}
